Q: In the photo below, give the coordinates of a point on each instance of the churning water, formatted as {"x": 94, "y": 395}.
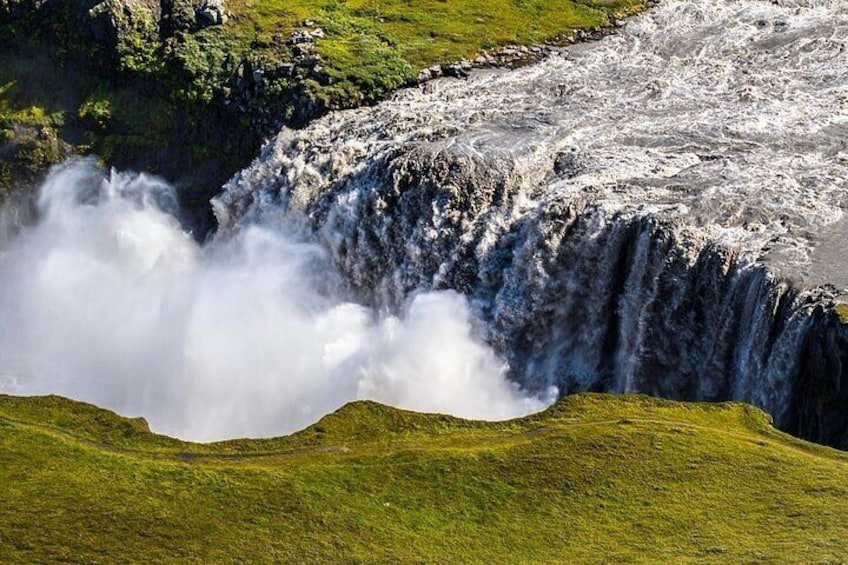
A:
{"x": 654, "y": 212}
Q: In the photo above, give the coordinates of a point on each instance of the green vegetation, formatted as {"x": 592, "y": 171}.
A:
{"x": 374, "y": 46}
{"x": 28, "y": 136}
{"x": 599, "y": 479}
{"x": 842, "y": 311}
{"x": 39, "y": 92}
{"x": 423, "y": 32}
{"x": 51, "y": 109}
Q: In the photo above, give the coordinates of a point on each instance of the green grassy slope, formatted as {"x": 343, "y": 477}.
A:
{"x": 428, "y": 31}
{"x": 379, "y": 44}
{"x": 594, "y": 479}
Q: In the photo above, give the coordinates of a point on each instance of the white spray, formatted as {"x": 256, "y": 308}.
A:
{"x": 107, "y": 300}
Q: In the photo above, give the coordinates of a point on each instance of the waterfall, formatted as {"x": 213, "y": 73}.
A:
{"x": 659, "y": 212}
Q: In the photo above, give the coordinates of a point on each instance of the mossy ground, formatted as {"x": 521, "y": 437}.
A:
{"x": 594, "y": 479}
{"x": 36, "y": 90}
{"x": 380, "y": 44}
{"x": 51, "y": 108}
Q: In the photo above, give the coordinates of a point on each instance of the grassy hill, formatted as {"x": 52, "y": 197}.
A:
{"x": 597, "y": 479}
{"x": 380, "y": 44}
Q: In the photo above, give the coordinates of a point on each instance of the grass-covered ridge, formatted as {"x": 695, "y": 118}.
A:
{"x": 372, "y": 46}
{"x": 593, "y": 479}
{"x": 428, "y": 31}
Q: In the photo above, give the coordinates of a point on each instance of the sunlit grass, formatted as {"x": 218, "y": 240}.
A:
{"x": 428, "y": 31}
{"x": 593, "y": 479}
{"x": 361, "y": 33}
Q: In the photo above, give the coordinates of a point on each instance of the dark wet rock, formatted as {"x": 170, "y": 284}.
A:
{"x": 210, "y": 13}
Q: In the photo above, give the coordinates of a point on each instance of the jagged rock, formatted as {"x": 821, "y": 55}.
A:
{"x": 210, "y": 13}
{"x": 457, "y": 71}
{"x": 301, "y": 38}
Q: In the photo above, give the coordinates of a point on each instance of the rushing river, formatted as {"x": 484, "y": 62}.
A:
{"x": 660, "y": 211}
{"x": 727, "y": 118}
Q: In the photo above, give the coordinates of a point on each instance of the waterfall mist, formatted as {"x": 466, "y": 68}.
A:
{"x": 106, "y": 299}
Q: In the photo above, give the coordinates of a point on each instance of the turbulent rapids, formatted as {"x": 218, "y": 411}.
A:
{"x": 662, "y": 211}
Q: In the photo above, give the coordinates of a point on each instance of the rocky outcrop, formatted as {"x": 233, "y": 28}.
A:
{"x": 210, "y": 13}
{"x": 26, "y": 153}
{"x": 123, "y": 24}
{"x": 821, "y": 388}
{"x": 574, "y": 296}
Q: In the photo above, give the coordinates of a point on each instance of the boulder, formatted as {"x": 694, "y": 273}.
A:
{"x": 210, "y": 13}
{"x": 301, "y": 38}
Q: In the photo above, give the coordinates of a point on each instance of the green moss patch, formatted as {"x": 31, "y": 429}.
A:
{"x": 422, "y": 32}
{"x": 371, "y": 47}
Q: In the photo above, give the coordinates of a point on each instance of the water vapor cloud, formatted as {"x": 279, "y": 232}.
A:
{"x": 106, "y": 299}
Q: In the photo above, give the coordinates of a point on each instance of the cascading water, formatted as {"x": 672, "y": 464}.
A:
{"x": 639, "y": 214}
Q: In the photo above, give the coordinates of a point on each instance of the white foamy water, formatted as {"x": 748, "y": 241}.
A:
{"x": 107, "y": 300}
{"x": 643, "y": 213}
{"x": 728, "y": 117}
